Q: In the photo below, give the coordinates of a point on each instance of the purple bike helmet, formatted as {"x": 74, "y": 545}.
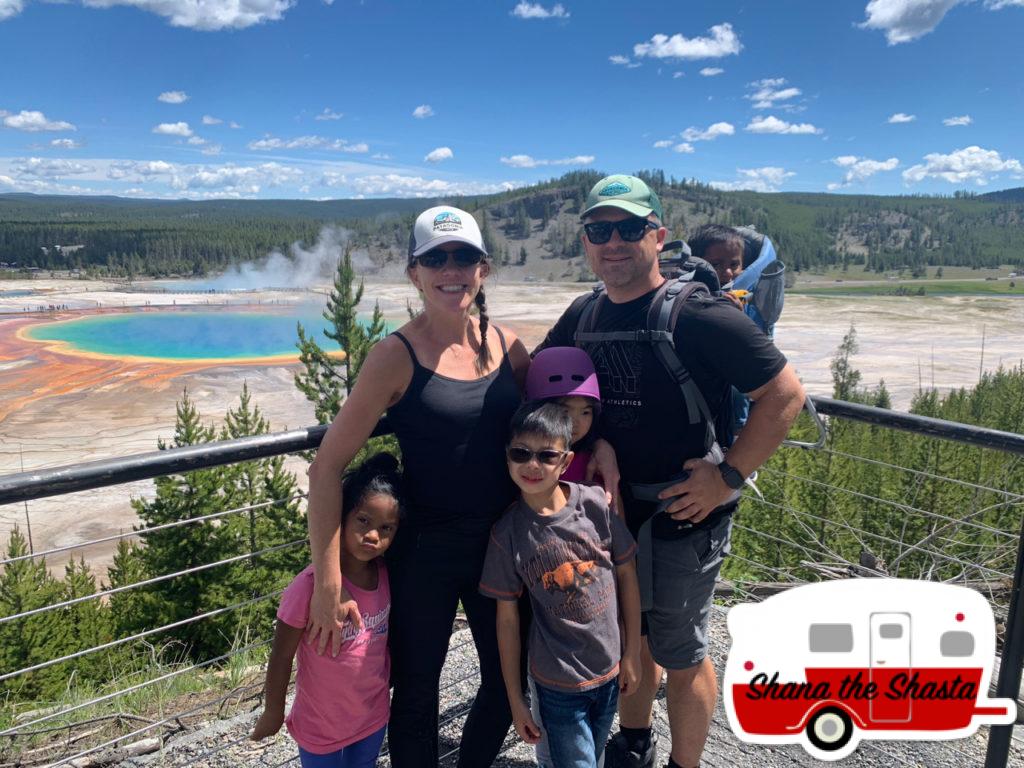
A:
{"x": 562, "y": 372}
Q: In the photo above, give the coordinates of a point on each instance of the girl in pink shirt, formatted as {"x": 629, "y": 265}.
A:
{"x": 566, "y": 375}
{"x": 341, "y": 702}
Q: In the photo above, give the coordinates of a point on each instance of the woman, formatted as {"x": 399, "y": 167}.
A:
{"x": 449, "y": 383}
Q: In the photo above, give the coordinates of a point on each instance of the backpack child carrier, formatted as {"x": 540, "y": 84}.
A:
{"x": 764, "y": 276}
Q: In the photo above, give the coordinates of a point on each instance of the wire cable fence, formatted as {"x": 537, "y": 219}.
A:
{"x": 842, "y": 511}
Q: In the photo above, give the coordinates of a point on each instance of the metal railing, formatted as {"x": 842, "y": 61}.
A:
{"x": 811, "y": 542}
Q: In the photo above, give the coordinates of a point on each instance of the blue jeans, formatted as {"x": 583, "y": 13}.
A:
{"x": 361, "y": 754}
{"x": 578, "y": 723}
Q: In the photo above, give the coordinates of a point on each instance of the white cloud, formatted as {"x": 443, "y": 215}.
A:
{"x": 139, "y": 170}
{"x": 663, "y": 144}
{"x": 711, "y": 71}
{"x": 902, "y": 117}
{"x": 206, "y": 15}
{"x": 527, "y": 10}
{"x": 381, "y": 156}
{"x": 268, "y": 143}
{"x": 9, "y": 8}
{"x": 328, "y": 114}
{"x": 34, "y": 121}
{"x": 46, "y": 168}
{"x": 684, "y": 148}
{"x": 439, "y": 154}
{"x": 722, "y": 42}
{"x": 233, "y": 124}
{"x": 173, "y": 129}
{"x": 234, "y": 180}
{"x": 423, "y": 111}
{"x": 710, "y": 134}
{"x": 398, "y": 185}
{"x": 525, "y": 161}
{"x": 209, "y": 120}
{"x": 173, "y": 97}
{"x": 196, "y": 141}
{"x": 623, "y": 61}
{"x": 861, "y": 168}
{"x": 906, "y": 20}
{"x": 766, "y": 179}
{"x": 677, "y": 75}
{"x": 772, "y": 124}
{"x": 212, "y": 149}
{"x": 769, "y": 91}
{"x": 998, "y": 5}
{"x": 967, "y": 164}
{"x": 962, "y": 119}
{"x": 66, "y": 144}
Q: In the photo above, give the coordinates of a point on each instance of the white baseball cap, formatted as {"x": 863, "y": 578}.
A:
{"x": 444, "y": 224}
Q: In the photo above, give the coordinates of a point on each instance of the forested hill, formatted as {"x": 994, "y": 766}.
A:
{"x": 532, "y": 231}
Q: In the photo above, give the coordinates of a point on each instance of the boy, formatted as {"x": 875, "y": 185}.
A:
{"x": 562, "y": 544}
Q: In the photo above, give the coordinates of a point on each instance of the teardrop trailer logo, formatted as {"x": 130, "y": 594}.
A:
{"x": 826, "y": 665}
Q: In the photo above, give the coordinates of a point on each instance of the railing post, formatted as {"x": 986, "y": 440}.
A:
{"x": 998, "y": 752}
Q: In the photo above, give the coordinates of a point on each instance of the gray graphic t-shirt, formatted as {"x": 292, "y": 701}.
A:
{"x": 566, "y": 561}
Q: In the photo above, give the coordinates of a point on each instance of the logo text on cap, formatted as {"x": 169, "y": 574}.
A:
{"x": 447, "y": 222}
{"x": 615, "y": 188}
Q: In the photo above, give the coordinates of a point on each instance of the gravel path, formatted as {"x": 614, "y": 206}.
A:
{"x": 223, "y": 744}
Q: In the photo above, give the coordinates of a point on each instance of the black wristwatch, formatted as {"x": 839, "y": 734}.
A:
{"x": 731, "y": 475}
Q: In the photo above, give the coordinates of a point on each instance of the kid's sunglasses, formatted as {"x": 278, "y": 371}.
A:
{"x": 631, "y": 230}
{"x": 549, "y": 456}
{"x": 437, "y": 258}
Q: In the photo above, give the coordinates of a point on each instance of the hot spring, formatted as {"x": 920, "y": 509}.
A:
{"x": 187, "y": 335}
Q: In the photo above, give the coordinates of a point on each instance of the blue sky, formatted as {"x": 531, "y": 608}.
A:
{"x": 313, "y": 99}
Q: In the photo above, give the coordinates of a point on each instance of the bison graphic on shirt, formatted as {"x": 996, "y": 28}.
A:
{"x": 569, "y": 577}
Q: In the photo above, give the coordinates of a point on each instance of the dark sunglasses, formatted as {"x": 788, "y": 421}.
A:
{"x": 437, "y": 258}
{"x": 631, "y": 230}
{"x": 549, "y": 456}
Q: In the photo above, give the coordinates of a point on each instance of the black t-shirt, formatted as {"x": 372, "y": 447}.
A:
{"x": 643, "y": 414}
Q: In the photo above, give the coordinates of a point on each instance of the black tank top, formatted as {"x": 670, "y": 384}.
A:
{"x": 453, "y": 435}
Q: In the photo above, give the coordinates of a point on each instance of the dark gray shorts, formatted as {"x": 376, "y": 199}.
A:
{"x": 685, "y": 571}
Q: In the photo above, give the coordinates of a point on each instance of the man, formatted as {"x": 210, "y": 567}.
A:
{"x": 645, "y": 418}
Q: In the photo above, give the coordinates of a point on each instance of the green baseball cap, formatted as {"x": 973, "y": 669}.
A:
{"x": 626, "y": 192}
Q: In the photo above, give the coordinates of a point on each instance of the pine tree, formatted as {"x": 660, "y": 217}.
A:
{"x": 327, "y": 379}
{"x": 87, "y": 624}
{"x": 131, "y": 608}
{"x": 271, "y": 518}
{"x": 180, "y": 497}
{"x": 26, "y": 585}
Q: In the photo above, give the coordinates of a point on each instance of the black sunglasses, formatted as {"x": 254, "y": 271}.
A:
{"x": 519, "y": 455}
{"x": 437, "y": 258}
{"x": 631, "y": 230}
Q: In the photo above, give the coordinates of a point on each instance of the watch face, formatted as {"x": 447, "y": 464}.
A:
{"x": 731, "y": 476}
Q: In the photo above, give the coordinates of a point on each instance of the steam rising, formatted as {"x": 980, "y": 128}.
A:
{"x": 302, "y": 268}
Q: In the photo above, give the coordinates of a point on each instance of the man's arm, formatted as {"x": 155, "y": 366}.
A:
{"x": 510, "y": 651}
{"x": 778, "y": 404}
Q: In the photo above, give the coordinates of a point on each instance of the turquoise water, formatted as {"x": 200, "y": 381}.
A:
{"x": 187, "y": 335}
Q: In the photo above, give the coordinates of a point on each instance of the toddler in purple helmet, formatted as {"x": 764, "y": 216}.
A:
{"x": 566, "y": 375}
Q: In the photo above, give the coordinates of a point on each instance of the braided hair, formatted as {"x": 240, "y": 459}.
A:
{"x": 483, "y": 357}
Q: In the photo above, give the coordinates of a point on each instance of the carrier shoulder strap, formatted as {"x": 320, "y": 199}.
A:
{"x": 662, "y": 320}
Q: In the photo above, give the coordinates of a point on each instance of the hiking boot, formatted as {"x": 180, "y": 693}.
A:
{"x": 617, "y": 753}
